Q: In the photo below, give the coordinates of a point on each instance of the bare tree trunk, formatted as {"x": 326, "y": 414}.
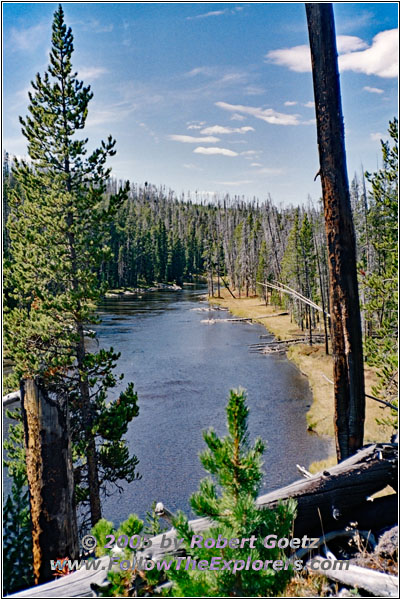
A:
{"x": 326, "y": 341}
{"x": 345, "y": 319}
{"x": 50, "y": 477}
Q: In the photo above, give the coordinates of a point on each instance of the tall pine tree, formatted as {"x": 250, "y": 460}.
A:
{"x": 57, "y": 230}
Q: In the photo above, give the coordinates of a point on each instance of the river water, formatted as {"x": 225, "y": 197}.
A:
{"x": 183, "y": 370}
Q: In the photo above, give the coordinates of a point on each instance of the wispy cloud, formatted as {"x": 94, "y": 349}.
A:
{"x": 192, "y": 167}
{"x": 211, "y": 150}
{"x": 28, "y": 38}
{"x": 251, "y": 153}
{"x": 91, "y": 73}
{"x": 253, "y": 90}
{"x": 94, "y": 26}
{"x": 376, "y": 137}
{"x": 189, "y": 139}
{"x": 373, "y": 90}
{"x": 240, "y": 182}
{"x": 98, "y": 27}
{"x": 380, "y": 59}
{"x": 222, "y": 77}
{"x": 269, "y": 171}
{"x": 195, "y": 124}
{"x": 256, "y": 165}
{"x": 208, "y": 71}
{"x": 237, "y": 117}
{"x": 269, "y": 115}
{"x": 290, "y": 103}
{"x": 212, "y": 13}
{"x": 216, "y": 13}
{"x": 220, "y": 130}
{"x": 310, "y": 104}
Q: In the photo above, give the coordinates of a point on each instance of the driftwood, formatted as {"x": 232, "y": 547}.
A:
{"x": 11, "y": 398}
{"x": 369, "y": 580}
{"x": 213, "y": 321}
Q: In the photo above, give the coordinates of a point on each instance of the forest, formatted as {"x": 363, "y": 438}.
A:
{"x": 74, "y": 234}
{"x": 156, "y": 236}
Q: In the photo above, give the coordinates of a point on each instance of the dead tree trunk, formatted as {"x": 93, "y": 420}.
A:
{"x": 346, "y": 334}
{"x": 50, "y": 478}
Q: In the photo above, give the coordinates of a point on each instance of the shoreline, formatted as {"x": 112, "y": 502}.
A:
{"x": 311, "y": 362}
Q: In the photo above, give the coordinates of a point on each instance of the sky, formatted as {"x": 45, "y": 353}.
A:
{"x": 208, "y": 98}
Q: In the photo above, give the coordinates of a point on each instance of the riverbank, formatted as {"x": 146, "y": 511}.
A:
{"x": 314, "y": 364}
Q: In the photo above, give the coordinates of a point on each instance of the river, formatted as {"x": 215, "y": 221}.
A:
{"x": 183, "y": 370}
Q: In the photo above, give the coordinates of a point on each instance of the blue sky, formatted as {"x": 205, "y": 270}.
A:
{"x": 211, "y": 97}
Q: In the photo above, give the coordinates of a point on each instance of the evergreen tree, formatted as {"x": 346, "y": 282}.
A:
{"x": 17, "y": 541}
{"x": 381, "y": 285}
{"x": 237, "y": 468}
{"x": 57, "y": 228}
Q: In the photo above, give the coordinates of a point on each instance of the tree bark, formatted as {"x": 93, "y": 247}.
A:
{"x": 50, "y": 477}
{"x": 346, "y": 334}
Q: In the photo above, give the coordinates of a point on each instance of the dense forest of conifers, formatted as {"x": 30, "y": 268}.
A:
{"x": 159, "y": 237}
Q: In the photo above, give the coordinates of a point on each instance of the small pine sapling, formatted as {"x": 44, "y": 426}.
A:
{"x": 237, "y": 470}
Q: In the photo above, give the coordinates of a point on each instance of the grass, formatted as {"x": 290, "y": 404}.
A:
{"x": 315, "y": 365}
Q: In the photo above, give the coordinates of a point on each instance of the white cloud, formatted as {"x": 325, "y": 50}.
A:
{"x": 189, "y": 139}
{"x": 224, "y": 151}
{"x": 376, "y": 137}
{"x": 373, "y": 90}
{"x": 349, "y": 43}
{"x": 296, "y": 58}
{"x": 220, "y": 130}
{"x": 380, "y": 59}
{"x": 310, "y": 104}
{"x": 256, "y": 164}
{"x": 91, "y": 72}
{"x": 290, "y": 103}
{"x": 269, "y": 115}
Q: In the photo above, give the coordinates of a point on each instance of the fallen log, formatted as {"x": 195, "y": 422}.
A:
{"x": 11, "y": 398}
{"x": 368, "y": 580}
{"x": 328, "y": 496}
{"x": 331, "y": 498}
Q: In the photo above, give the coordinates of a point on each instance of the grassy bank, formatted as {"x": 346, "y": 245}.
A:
{"x": 312, "y": 362}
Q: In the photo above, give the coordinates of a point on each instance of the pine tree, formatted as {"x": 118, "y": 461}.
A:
{"x": 57, "y": 229}
{"x": 17, "y": 545}
{"x": 237, "y": 469}
{"x": 381, "y": 285}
